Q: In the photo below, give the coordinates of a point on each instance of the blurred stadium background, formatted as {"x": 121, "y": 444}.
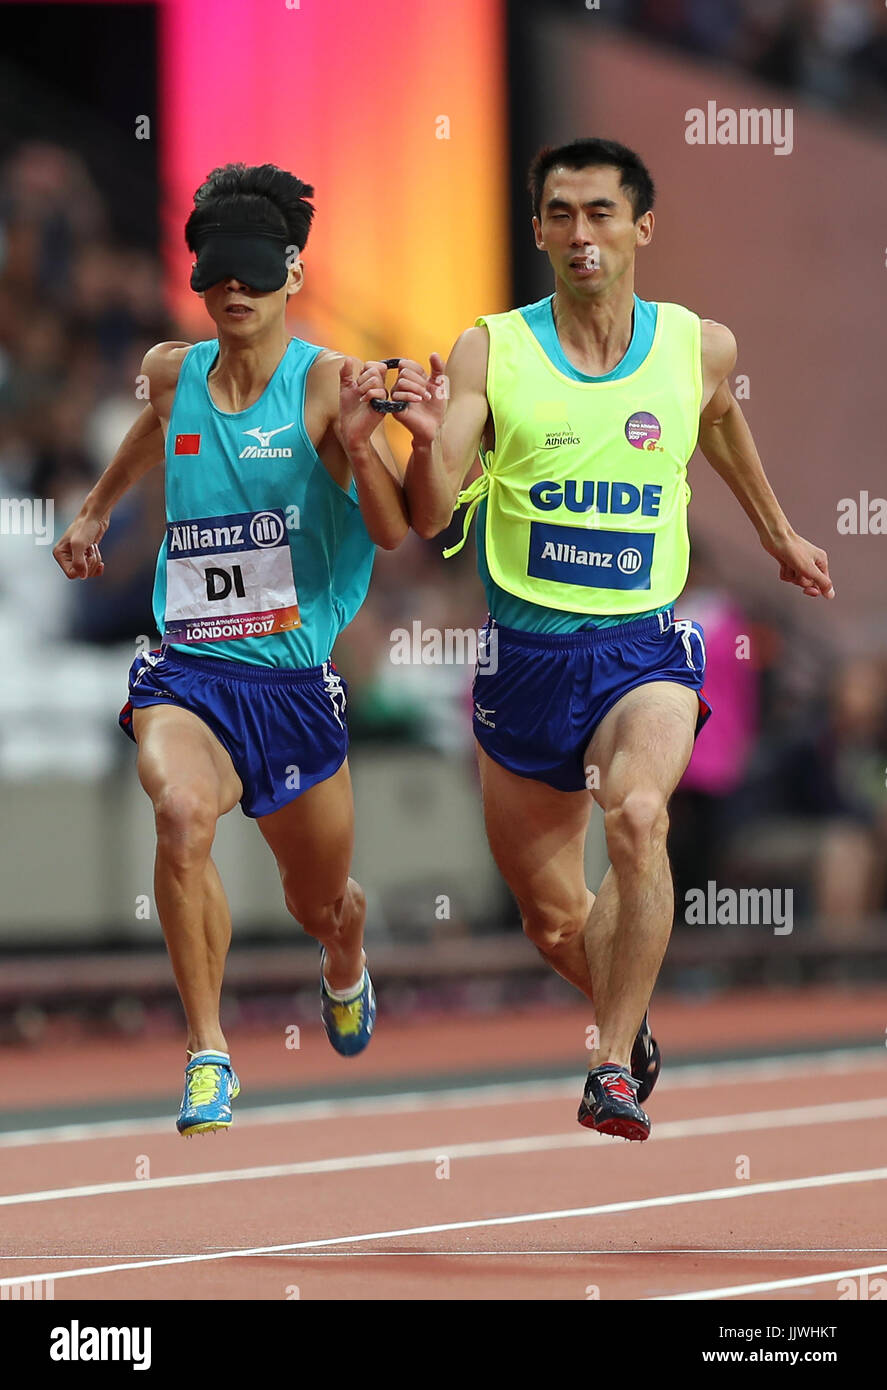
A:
{"x": 416, "y": 126}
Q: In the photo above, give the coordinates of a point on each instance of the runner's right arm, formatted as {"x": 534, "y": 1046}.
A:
{"x": 142, "y": 449}
{"x": 446, "y": 415}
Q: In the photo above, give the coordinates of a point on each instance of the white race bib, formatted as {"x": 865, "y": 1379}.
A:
{"x": 229, "y": 576}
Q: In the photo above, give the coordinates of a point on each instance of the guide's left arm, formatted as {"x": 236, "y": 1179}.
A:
{"x": 726, "y": 442}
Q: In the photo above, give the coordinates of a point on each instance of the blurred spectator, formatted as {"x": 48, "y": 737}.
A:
{"x": 768, "y": 44}
{"x": 76, "y": 317}
{"x": 834, "y": 52}
{"x": 818, "y": 809}
{"x": 786, "y": 785}
{"x": 50, "y": 209}
{"x": 834, "y": 32}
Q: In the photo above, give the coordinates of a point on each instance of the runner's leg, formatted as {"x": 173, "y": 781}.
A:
{"x": 537, "y": 838}
{"x": 641, "y": 749}
{"x": 191, "y": 781}
{"x": 312, "y": 839}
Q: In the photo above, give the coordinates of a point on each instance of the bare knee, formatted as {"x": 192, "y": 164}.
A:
{"x": 317, "y": 919}
{"x": 636, "y": 826}
{"x": 323, "y": 918}
{"x": 186, "y": 824}
{"x": 552, "y": 928}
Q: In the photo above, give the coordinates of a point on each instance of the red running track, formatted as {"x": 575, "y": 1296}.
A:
{"x": 761, "y": 1180}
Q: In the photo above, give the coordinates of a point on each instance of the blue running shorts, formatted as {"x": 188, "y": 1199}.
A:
{"x": 539, "y": 697}
{"x": 284, "y": 729}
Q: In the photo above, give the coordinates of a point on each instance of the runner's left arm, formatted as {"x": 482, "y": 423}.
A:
{"x": 725, "y": 440}
{"x": 143, "y": 448}
{"x": 77, "y": 552}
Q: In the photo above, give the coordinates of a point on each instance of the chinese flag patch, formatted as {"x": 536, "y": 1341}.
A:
{"x": 187, "y": 444}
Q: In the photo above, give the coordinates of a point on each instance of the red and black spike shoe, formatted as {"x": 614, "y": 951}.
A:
{"x": 646, "y": 1061}
{"x": 610, "y": 1104}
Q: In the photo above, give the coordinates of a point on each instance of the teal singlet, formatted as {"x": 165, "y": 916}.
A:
{"x": 507, "y": 609}
{"x": 265, "y": 558}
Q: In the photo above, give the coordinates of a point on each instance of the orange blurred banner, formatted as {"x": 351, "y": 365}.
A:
{"x": 395, "y": 114}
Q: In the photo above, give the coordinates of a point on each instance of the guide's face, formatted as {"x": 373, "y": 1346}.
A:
{"x": 587, "y": 226}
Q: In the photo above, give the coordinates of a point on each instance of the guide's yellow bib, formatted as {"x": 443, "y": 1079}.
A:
{"x": 587, "y": 484}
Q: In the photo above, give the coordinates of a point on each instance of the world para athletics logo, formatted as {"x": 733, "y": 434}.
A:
{"x": 642, "y": 430}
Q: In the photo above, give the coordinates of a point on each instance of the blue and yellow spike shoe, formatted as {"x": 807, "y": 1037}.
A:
{"x": 210, "y": 1087}
{"x": 348, "y": 1024}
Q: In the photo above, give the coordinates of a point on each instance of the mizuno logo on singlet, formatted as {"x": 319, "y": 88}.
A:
{"x": 261, "y": 450}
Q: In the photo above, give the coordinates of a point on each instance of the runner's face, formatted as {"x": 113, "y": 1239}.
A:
{"x": 582, "y": 209}
{"x": 243, "y": 313}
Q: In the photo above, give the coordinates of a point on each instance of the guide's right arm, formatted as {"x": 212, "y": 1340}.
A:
{"x": 446, "y": 415}
{"x": 142, "y": 449}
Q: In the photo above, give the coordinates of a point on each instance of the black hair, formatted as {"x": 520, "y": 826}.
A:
{"x": 259, "y": 193}
{"x": 635, "y": 178}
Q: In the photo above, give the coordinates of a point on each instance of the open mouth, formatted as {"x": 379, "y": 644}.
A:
{"x": 237, "y": 311}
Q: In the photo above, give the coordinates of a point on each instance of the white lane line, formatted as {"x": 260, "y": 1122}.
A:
{"x": 839, "y": 1112}
{"x": 838, "y": 1062}
{"x": 717, "y": 1194}
{"x": 771, "y": 1285}
{"x": 576, "y": 1252}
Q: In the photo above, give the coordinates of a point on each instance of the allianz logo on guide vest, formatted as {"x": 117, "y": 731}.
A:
{"x": 261, "y": 450}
